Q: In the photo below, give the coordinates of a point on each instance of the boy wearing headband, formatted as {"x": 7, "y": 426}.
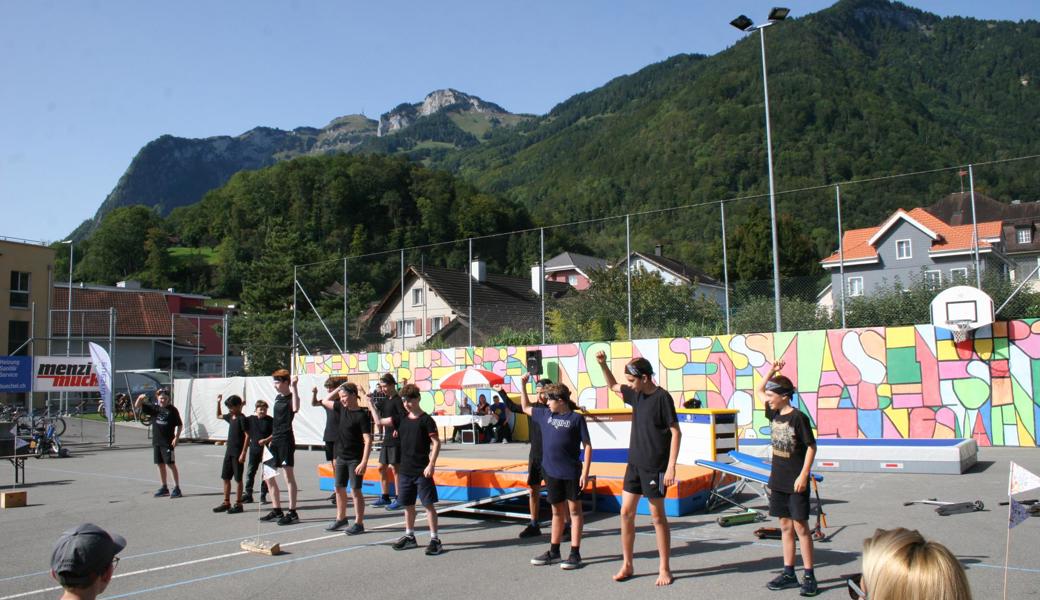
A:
{"x": 652, "y": 452}
{"x": 794, "y": 449}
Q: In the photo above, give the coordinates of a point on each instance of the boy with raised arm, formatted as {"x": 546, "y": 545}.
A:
{"x": 353, "y": 444}
{"x": 794, "y": 449}
{"x": 282, "y": 443}
{"x": 652, "y": 451}
{"x": 329, "y": 433}
{"x": 390, "y": 453}
{"x": 234, "y": 452}
{"x": 420, "y": 446}
{"x": 564, "y": 431}
{"x": 534, "y": 458}
{"x": 166, "y": 429}
{"x": 260, "y": 425}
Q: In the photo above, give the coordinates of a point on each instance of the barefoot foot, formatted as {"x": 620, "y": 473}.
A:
{"x": 664, "y": 578}
{"x": 624, "y": 574}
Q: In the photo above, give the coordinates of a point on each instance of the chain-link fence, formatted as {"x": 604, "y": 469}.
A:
{"x": 855, "y": 254}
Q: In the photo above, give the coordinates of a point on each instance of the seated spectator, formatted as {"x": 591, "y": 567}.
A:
{"x": 899, "y": 563}
{"x": 84, "y": 559}
{"x": 500, "y": 427}
{"x": 464, "y": 409}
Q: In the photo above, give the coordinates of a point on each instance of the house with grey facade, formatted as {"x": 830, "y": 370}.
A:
{"x": 911, "y": 246}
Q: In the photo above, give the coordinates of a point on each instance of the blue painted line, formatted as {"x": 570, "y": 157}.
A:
{"x": 248, "y": 569}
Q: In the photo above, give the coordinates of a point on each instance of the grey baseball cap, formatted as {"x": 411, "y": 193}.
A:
{"x": 84, "y": 552}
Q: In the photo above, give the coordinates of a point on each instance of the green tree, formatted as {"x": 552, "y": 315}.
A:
{"x": 115, "y": 250}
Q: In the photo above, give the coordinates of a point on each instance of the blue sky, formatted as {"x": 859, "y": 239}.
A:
{"x": 85, "y": 84}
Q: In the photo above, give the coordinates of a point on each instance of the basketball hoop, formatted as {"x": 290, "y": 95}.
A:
{"x": 960, "y": 329}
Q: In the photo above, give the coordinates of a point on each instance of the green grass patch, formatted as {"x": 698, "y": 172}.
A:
{"x": 182, "y": 252}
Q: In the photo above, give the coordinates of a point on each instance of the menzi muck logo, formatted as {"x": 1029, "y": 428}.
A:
{"x": 63, "y": 375}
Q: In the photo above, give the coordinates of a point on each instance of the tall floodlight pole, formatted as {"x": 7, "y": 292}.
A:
{"x": 68, "y": 318}
{"x": 745, "y": 24}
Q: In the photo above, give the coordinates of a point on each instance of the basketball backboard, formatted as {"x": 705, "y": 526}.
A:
{"x": 962, "y": 308}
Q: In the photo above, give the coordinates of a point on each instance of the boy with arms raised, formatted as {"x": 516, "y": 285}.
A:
{"x": 282, "y": 442}
{"x": 353, "y": 444}
{"x": 794, "y": 449}
{"x": 166, "y": 428}
{"x": 234, "y": 452}
{"x": 652, "y": 452}
{"x": 563, "y": 432}
{"x": 420, "y": 446}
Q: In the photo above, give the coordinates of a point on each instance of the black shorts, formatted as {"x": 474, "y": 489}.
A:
{"x": 163, "y": 455}
{"x": 232, "y": 469}
{"x": 649, "y": 484}
{"x": 535, "y": 474}
{"x": 558, "y": 490}
{"x": 789, "y": 505}
{"x": 345, "y": 474}
{"x": 390, "y": 455}
{"x": 413, "y": 486}
{"x": 330, "y": 450}
{"x": 283, "y": 452}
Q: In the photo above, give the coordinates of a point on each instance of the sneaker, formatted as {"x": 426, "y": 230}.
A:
{"x": 337, "y": 525}
{"x": 247, "y": 499}
{"x": 809, "y": 587}
{"x": 503, "y": 441}
{"x": 531, "y": 531}
{"x": 405, "y": 542}
{"x": 163, "y": 491}
{"x": 222, "y": 508}
{"x": 234, "y": 510}
{"x": 546, "y": 558}
{"x": 573, "y": 562}
{"x": 289, "y": 518}
{"x": 381, "y": 502}
{"x": 434, "y": 548}
{"x": 395, "y": 505}
{"x": 176, "y": 493}
{"x": 783, "y": 581}
{"x": 271, "y": 516}
{"x": 355, "y": 529}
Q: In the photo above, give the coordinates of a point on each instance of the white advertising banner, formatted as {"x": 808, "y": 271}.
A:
{"x": 64, "y": 374}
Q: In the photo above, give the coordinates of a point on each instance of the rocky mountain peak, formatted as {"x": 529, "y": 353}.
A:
{"x": 436, "y": 101}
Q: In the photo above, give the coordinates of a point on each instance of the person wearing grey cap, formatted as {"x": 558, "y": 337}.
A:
{"x": 84, "y": 560}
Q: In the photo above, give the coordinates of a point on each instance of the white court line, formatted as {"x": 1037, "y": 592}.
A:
{"x": 205, "y": 487}
{"x": 200, "y": 560}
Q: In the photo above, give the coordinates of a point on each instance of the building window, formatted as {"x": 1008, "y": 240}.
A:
{"x": 19, "y": 289}
{"x": 855, "y": 286}
{"x": 959, "y": 275}
{"x": 933, "y": 279}
{"x": 408, "y": 329}
{"x": 17, "y": 334}
{"x": 417, "y": 297}
{"x": 1024, "y": 235}
{"x": 572, "y": 280}
{"x": 903, "y": 249}
{"x": 436, "y": 324}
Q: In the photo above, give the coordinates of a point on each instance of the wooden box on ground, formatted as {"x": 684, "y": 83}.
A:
{"x": 13, "y": 498}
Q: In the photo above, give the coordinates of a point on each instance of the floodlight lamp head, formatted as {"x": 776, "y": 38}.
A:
{"x": 742, "y": 23}
{"x": 779, "y": 13}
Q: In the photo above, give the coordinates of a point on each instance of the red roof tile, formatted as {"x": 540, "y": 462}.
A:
{"x": 138, "y": 314}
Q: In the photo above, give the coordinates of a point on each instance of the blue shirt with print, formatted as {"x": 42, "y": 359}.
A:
{"x": 562, "y": 436}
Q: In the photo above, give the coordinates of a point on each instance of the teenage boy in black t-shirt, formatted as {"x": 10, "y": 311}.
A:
{"x": 166, "y": 428}
{"x": 329, "y": 435}
{"x": 794, "y": 449}
{"x": 652, "y": 452}
{"x": 420, "y": 446}
{"x": 234, "y": 452}
{"x": 534, "y": 457}
{"x": 260, "y": 425}
{"x": 390, "y": 453}
{"x": 353, "y": 445}
{"x": 282, "y": 443}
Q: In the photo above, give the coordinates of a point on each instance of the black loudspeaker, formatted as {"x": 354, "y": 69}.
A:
{"x": 534, "y": 362}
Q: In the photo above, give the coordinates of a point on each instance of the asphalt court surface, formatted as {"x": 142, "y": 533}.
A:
{"x": 179, "y": 548}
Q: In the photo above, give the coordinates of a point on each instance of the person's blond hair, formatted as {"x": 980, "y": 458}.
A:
{"x": 898, "y": 564}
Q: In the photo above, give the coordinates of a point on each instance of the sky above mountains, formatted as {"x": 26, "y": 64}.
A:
{"x": 86, "y": 84}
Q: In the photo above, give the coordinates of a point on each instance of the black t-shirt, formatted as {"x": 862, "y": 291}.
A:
{"x": 259, "y": 428}
{"x": 283, "y": 416}
{"x": 415, "y": 438}
{"x": 237, "y": 429}
{"x": 392, "y": 408}
{"x": 791, "y": 436}
{"x": 534, "y": 433}
{"x": 164, "y": 421}
{"x": 351, "y": 426}
{"x": 651, "y": 439}
{"x": 330, "y": 424}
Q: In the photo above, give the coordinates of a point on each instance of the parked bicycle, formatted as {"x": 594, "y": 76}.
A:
{"x": 44, "y": 440}
{"x": 123, "y": 408}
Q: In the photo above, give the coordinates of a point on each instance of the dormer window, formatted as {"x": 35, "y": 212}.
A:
{"x": 1024, "y": 234}
{"x": 903, "y": 249}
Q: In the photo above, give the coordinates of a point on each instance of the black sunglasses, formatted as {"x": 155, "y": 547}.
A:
{"x": 855, "y": 585}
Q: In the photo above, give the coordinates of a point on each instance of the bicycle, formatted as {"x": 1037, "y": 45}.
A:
{"x": 123, "y": 407}
{"x": 45, "y": 440}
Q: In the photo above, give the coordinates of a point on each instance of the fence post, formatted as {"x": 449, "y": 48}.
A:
{"x": 292, "y": 346}
{"x": 628, "y": 269}
{"x": 345, "y": 330}
{"x": 469, "y": 277}
{"x": 974, "y": 228}
{"x": 224, "y": 350}
{"x": 112, "y": 358}
{"x": 841, "y": 254}
{"x": 172, "y": 317}
{"x": 401, "y": 328}
{"x": 725, "y": 263}
{"x": 541, "y": 275}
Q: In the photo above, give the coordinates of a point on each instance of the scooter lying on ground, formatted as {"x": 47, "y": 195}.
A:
{"x": 944, "y": 509}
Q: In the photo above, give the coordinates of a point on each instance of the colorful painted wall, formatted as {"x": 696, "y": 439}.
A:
{"x": 877, "y": 383}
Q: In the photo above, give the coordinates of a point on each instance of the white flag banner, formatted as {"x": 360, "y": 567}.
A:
{"x": 18, "y": 442}
{"x": 269, "y": 469}
{"x": 103, "y": 369}
{"x": 1022, "y": 480}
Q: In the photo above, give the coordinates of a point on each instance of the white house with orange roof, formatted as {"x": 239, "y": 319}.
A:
{"x": 911, "y": 246}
